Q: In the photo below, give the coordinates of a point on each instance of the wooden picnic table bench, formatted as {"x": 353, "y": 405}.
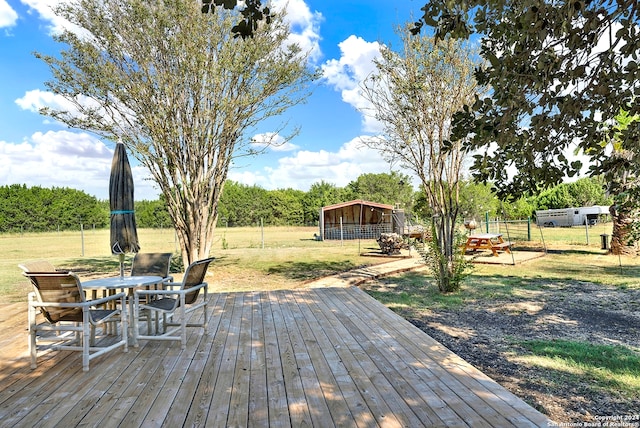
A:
{"x": 487, "y": 241}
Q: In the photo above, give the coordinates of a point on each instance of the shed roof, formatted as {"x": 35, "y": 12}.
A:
{"x": 357, "y": 202}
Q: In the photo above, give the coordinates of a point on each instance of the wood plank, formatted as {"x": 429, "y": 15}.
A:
{"x": 397, "y": 367}
{"x": 294, "y": 391}
{"x": 239, "y": 401}
{"x": 222, "y": 393}
{"x": 315, "y": 398}
{"x": 326, "y": 362}
{"x": 276, "y": 393}
{"x": 258, "y": 393}
{"x": 358, "y": 364}
{"x": 156, "y": 386}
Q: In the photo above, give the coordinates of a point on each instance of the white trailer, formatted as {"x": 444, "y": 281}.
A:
{"x": 567, "y": 217}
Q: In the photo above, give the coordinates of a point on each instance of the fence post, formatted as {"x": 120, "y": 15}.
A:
{"x": 82, "y": 238}
{"x": 486, "y": 221}
{"x": 529, "y": 228}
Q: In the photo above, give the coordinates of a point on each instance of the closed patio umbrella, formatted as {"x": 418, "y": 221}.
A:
{"x": 124, "y": 237}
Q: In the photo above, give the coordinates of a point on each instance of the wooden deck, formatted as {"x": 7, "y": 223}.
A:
{"x": 313, "y": 357}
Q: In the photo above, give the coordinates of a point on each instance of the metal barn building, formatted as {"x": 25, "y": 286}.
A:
{"x": 357, "y": 220}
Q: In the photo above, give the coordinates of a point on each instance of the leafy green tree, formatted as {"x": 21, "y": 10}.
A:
{"x": 560, "y": 72}
{"x": 519, "y": 209}
{"x": 321, "y": 195}
{"x": 476, "y": 199}
{"x": 386, "y": 188}
{"x": 584, "y": 192}
{"x": 175, "y": 86}
{"x": 286, "y": 207}
{"x": 152, "y": 214}
{"x": 624, "y": 184}
{"x": 414, "y": 93}
{"x": 588, "y": 191}
{"x": 39, "y": 209}
{"x": 251, "y": 14}
{"x": 243, "y": 205}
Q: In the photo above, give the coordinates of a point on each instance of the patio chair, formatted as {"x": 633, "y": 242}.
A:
{"x": 176, "y": 297}
{"x": 152, "y": 264}
{"x": 60, "y": 299}
{"x": 38, "y": 266}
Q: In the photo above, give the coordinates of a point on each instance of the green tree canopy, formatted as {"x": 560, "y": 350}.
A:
{"x": 38, "y": 209}
{"x": 558, "y": 71}
{"x": 386, "y": 188}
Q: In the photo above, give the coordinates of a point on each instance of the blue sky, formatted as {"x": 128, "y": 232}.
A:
{"x": 343, "y": 35}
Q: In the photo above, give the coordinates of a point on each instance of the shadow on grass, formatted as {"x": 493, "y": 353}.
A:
{"x": 96, "y": 265}
{"x": 304, "y": 271}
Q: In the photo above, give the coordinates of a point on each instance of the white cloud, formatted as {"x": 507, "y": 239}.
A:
{"x": 44, "y": 8}
{"x": 8, "y": 16}
{"x": 274, "y": 141}
{"x": 36, "y": 99}
{"x": 347, "y": 73}
{"x": 66, "y": 159}
{"x": 306, "y": 167}
{"x": 304, "y": 24}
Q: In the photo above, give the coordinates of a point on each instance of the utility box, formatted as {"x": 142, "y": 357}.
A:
{"x": 604, "y": 241}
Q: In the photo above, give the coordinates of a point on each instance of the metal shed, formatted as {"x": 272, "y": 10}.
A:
{"x": 355, "y": 220}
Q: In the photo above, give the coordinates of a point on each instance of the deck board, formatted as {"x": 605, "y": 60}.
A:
{"x": 311, "y": 357}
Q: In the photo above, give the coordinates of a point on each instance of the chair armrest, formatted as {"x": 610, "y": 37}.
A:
{"x": 170, "y": 291}
{"x": 102, "y": 300}
{"x": 87, "y": 303}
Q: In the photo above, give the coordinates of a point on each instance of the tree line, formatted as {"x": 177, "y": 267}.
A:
{"x": 38, "y": 209}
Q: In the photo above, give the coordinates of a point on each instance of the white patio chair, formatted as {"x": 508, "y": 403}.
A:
{"x": 60, "y": 299}
{"x": 177, "y": 298}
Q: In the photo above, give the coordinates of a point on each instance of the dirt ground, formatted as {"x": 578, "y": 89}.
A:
{"x": 487, "y": 334}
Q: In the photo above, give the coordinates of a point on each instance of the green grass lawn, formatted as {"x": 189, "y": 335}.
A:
{"x": 246, "y": 258}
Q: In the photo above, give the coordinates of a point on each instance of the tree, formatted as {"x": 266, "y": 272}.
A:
{"x": 625, "y": 186}
{"x": 251, "y": 14}
{"x": 321, "y": 195}
{"x": 559, "y": 71}
{"x": 414, "y": 94}
{"x": 386, "y": 188}
{"x": 478, "y": 199}
{"x": 179, "y": 90}
{"x": 152, "y": 214}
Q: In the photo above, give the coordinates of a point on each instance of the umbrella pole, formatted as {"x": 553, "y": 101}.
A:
{"x": 121, "y": 265}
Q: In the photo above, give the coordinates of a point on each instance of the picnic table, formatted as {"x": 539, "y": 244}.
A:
{"x": 487, "y": 241}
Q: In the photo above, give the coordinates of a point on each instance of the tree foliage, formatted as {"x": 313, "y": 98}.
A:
{"x": 251, "y": 14}
{"x": 558, "y": 71}
{"x": 38, "y": 209}
{"x": 179, "y": 90}
{"x": 414, "y": 93}
{"x": 391, "y": 189}
{"x": 584, "y": 192}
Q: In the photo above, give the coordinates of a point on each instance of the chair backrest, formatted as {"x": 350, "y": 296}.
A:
{"x": 151, "y": 264}
{"x": 194, "y": 275}
{"x": 37, "y": 266}
{"x": 57, "y": 287}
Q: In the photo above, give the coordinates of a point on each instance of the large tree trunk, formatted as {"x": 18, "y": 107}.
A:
{"x": 622, "y": 242}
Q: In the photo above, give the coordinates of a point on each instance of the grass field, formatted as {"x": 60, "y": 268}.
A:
{"x": 246, "y": 258}
{"x": 280, "y": 257}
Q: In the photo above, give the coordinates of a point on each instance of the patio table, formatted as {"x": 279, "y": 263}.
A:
{"x": 127, "y": 284}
